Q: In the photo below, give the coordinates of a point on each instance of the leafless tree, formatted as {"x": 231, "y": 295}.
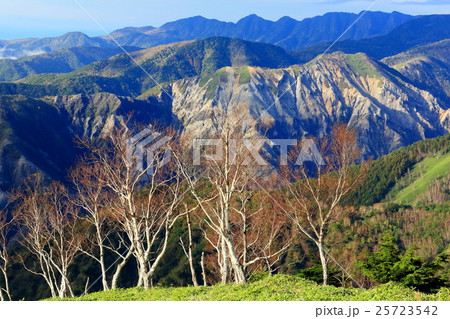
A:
{"x": 92, "y": 196}
{"x": 188, "y": 251}
{"x": 215, "y": 181}
{"x": 6, "y": 232}
{"x": 437, "y": 191}
{"x": 47, "y": 223}
{"x": 314, "y": 193}
{"x": 262, "y": 232}
{"x": 146, "y": 197}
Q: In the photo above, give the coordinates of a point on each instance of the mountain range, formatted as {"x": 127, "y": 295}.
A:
{"x": 393, "y": 86}
{"x": 416, "y": 31}
{"x": 419, "y": 31}
{"x": 288, "y": 33}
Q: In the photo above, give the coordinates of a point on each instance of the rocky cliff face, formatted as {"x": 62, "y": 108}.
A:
{"x": 427, "y": 67}
{"x": 299, "y": 101}
{"x": 38, "y": 135}
{"x": 34, "y": 136}
{"x": 91, "y": 116}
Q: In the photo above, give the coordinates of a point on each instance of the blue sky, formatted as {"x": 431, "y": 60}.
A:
{"x": 39, "y": 18}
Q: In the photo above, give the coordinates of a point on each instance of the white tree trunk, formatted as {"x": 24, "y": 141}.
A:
{"x": 323, "y": 261}
{"x": 235, "y": 263}
{"x": 203, "y": 269}
{"x": 119, "y": 268}
{"x": 6, "y": 289}
{"x": 223, "y": 261}
{"x": 102, "y": 258}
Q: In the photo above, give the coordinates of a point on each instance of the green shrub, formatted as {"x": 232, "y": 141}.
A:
{"x": 389, "y": 264}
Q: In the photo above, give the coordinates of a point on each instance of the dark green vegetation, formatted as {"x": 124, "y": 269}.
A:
{"x": 389, "y": 264}
{"x": 274, "y": 288}
{"x": 422, "y": 229}
{"x": 31, "y": 90}
{"x": 386, "y": 171}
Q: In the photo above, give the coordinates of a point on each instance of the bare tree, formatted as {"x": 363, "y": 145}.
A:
{"x": 188, "y": 252}
{"x": 202, "y": 264}
{"x": 215, "y": 181}
{"x": 314, "y": 193}
{"x": 437, "y": 191}
{"x": 6, "y": 232}
{"x": 146, "y": 197}
{"x": 92, "y": 196}
{"x": 47, "y": 222}
{"x": 262, "y": 233}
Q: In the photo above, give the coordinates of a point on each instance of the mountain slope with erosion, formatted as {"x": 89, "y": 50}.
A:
{"x": 428, "y": 67}
{"x": 307, "y": 100}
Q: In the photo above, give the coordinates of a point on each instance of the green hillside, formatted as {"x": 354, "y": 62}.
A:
{"x": 385, "y": 172}
{"x": 275, "y": 288}
{"x": 419, "y": 179}
{"x": 120, "y": 74}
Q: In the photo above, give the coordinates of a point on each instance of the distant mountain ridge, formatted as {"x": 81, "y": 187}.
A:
{"x": 15, "y": 49}
{"x": 288, "y": 33}
{"x": 419, "y": 31}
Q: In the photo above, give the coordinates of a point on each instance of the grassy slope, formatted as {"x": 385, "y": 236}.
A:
{"x": 362, "y": 66}
{"x": 279, "y": 287}
{"x": 422, "y": 174}
{"x": 385, "y": 172}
